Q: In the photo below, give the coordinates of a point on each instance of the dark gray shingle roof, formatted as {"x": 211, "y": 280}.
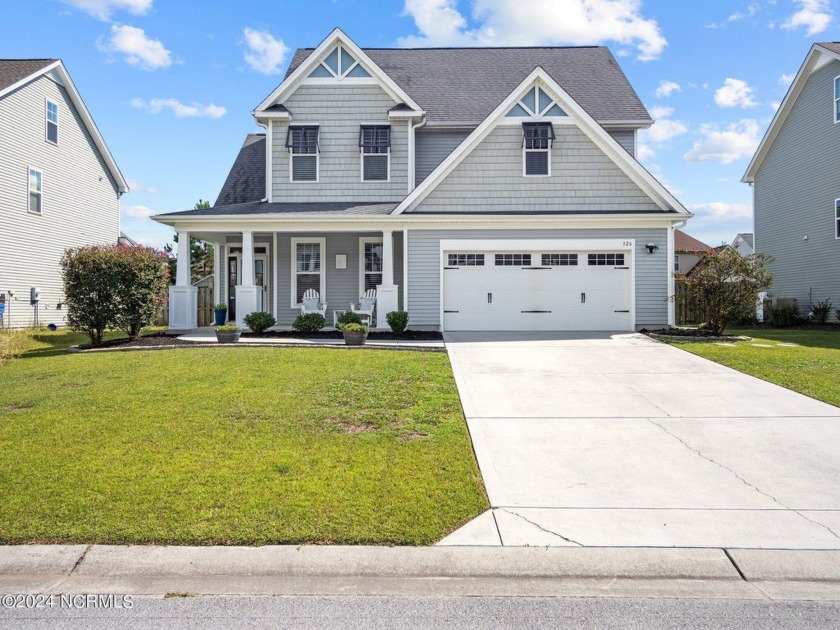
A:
{"x": 246, "y": 180}
{"x": 13, "y": 70}
{"x": 832, "y": 46}
{"x": 466, "y": 84}
{"x": 319, "y": 208}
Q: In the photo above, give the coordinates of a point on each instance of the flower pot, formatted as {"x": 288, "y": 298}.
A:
{"x": 355, "y": 337}
{"x": 219, "y": 318}
{"x": 228, "y": 336}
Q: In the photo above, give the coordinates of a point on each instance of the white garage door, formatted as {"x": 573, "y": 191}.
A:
{"x": 537, "y": 290}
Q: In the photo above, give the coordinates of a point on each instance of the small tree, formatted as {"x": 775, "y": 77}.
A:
{"x": 725, "y": 286}
{"x": 114, "y": 286}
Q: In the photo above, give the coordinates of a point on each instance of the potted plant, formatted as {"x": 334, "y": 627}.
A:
{"x": 220, "y": 314}
{"x": 228, "y": 333}
{"x": 354, "y": 334}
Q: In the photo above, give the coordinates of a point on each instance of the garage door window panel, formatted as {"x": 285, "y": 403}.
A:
{"x": 559, "y": 260}
{"x": 606, "y": 260}
{"x": 465, "y": 260}
{"x": 513, "y": 260}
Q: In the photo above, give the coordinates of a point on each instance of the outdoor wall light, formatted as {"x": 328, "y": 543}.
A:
{"x": 651, "y": 247}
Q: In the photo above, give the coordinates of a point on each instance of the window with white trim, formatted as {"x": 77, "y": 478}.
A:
{"x": 536, "y": 148}
{"x": 52, "y": 122}
{"x": 837, "y": 99}
{"x": 465, "y": 260}
{"x": 606, "y": 260}
{"x": 837, "y": 218}
{"x": 339, "y": 64}
{"x": 513, "y": 260}
{"x": 559, "y": 260}
{"x": 676, "y": 262}
{"x": 36, "y": 181}
{"x": 308, "y": 269}
{"x": 302, "y": 142}
{"x": 371, "y": 265}
{"x": 375, "y": 149}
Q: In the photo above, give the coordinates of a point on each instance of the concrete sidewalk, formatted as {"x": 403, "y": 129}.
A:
{"x": 155, "y": 570}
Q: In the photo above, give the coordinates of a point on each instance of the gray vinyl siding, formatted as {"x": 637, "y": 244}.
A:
{"x": 795, "y": 189}
{"x": 432, "y": 146}
{"x": 626, "y": 138}
{"x": 651, "y": 271}
{"x": 339, "y": 111}
{"x": 583, "y": 179}
{"x": 80, "y": 204}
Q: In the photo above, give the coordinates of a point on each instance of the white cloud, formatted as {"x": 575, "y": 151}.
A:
{"x": 181, "y": 110}
{"x": 644, "y": 152}
{"x": 506, "y": 22}
{"x": 666, "y": 88}
{"x": 749, "y": 12}
{"x": 722, "y": 211}
{"x": 774, "y": 105}
{"x": 138, "y": 49}
{"x": 786, "y": 79}
{"x": 664, "y": 128}
{"x": 814, "y": 15}
{"x": 102, "y": 9}
{"x": 137, "y": 212}
{"x": 135, "y": 186}
{"x": 735, "y": 141}
{"x": 265, "y": 54}
{"x": 735, "y": 93}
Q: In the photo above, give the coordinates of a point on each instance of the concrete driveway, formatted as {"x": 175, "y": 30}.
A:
{"x": 601, "y": 439}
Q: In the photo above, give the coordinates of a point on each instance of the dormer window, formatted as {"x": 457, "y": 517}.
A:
{"x": 537, "y": 139}
{"x": 302, "y": 142}
{"x": 339, "y": 64}
{"x": 52, "y": 122}
{"x": 375, "y": 149}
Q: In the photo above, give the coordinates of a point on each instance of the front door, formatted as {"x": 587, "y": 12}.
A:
{"x": 232, "y": 281}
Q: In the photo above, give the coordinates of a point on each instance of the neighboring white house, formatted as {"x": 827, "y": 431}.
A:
{"x": 743, "y": 244}
{"x": 59, "y": 186}
{"x": 476, "y": 188}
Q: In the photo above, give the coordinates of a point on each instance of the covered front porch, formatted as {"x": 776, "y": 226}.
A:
{"x": 269, "y": 270}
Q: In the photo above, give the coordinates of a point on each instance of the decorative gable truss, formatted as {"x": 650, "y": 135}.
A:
{"x": 542, "y": 102}
{"x": 339, "y": 64}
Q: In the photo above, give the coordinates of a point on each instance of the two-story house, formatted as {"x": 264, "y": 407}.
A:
{"x": 59, "y": 186}
{"x": 796, "y": 186}
{"x": 476, "y": 188}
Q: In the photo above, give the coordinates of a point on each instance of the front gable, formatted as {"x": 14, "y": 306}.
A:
{"x": 590, "y": 171}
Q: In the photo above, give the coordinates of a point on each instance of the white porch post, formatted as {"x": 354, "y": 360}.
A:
{"x": 387, "y": 293}
{"x": 247, "y": 300}
{"x": 183, "y": 297}
{"x": 217, "y": 273}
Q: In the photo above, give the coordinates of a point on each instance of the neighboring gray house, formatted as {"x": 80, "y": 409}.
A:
{"x": 796, "y": 184}
{"x": 743, "y": 243}
{"x": 476, "y": 188}
{"x": 59, "y": 185}
{"x": 688, "y": 251}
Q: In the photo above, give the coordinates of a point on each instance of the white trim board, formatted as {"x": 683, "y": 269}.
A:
{"x": 609, "y": 145}
{"x": 337, "y": 36}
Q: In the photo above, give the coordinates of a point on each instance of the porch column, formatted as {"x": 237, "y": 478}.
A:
{"x": 387, "y": 293}
{"x": 247, "y": 298}
{"x": 183, "y": 297}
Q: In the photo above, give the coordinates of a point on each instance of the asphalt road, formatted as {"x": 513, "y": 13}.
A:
{"x": 232, "y": 612}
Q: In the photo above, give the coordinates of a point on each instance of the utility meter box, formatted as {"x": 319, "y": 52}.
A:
{"x": 34, "y": 295}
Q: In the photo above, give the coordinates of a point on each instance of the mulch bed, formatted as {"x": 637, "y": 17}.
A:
{"x": 689, "y": 334}
{"x": 145, "y": 341}
{"x": 374, "y": 335}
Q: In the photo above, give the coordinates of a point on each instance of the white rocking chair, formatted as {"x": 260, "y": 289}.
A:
{"x": 366, "y": 305}
{"x": 311, "y": 303}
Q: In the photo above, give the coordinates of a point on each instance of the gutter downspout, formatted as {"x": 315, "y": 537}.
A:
{"x": 412, "y": 128}
{"x": 267, "y": 127}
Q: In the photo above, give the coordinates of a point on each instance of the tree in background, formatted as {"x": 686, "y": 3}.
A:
{"x": 725, "y": 286}
{"x": 201, "y": 254}
{"x": 113, "y": 286}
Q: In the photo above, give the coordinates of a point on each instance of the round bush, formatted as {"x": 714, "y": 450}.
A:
{"x": 309, "y": 323}
{"x": 348, "y": 317}
{"x": 398, "y": 321}
{"x": 259, "y": 322}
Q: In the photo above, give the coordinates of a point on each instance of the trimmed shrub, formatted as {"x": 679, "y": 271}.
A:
{"x": 783, "y": 315}
{"x": 348, "y": 317}
{"x": 309, "y": 323}
{"x": 820, "y": 311}
{"x": 114, "y": 286}
{"x": 398, "y": 321}
{"x": 259, "y": 321}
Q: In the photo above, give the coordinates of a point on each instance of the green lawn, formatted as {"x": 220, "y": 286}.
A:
{"x": 806, "y": 361}
{"x": 232, "y": 446}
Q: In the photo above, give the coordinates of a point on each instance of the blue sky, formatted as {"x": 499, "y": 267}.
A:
{"x": 171, "y": 83}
